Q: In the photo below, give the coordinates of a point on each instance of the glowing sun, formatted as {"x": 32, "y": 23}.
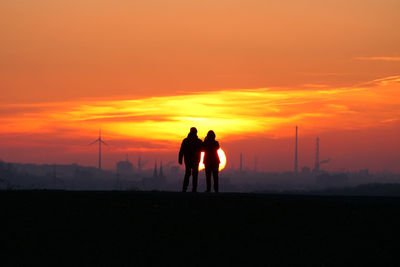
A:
{"x": 222, "y": 159}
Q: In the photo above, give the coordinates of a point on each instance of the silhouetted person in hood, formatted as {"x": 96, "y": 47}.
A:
{"x": 190, "y": 150}
{"x": 211, "y": 160}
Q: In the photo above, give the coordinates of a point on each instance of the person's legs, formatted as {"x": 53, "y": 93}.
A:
{"x": 215, "y": 176}
{"x": 195, "y": 172}
{"x": 208, "y": 179}
{"x": 186, "y": 179}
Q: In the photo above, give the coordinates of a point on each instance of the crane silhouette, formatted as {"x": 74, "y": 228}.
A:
{"x": 100, "y": 141}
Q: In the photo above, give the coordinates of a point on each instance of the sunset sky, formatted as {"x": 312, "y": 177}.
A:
{"x": 146, "y": 71}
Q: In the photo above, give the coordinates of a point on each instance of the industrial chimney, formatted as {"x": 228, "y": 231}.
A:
{"x": 316, "y": 166}
{"x": 295, "y": 155}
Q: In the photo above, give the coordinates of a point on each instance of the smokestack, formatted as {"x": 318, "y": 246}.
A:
{"x": 295, "y": 155}
{"x": 241, "y": 162}
{"x": 316, "y": 166}
{"x": 155, "y": 169}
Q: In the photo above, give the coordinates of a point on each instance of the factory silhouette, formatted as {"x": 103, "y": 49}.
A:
{"x": 167, "y": 176}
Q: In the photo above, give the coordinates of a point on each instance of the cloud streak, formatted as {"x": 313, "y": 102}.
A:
{"x": 379, "y": 58}
{"x": 232, "y": 114}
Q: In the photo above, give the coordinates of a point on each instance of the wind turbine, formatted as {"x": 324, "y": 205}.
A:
{"x": 100, "y": 141}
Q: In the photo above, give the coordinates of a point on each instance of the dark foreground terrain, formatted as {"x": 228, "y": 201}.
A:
{"x": 175, "y": 229}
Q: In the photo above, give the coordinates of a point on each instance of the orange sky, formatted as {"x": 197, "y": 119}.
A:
{"x": 146, "y": 71}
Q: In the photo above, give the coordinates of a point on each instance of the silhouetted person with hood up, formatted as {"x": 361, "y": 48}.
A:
{"x": 211, "y": 160}
{"x": 190, "y": 150}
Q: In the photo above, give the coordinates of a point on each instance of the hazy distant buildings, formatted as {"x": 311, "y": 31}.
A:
{"x": 161, "y": 173}
{"x": 155, "y": 173}
{"x": 363, "y": 173}
{"x": 157, "y": 181}
{"x": 327, "y": 180}
{"x": 175, "y": 171}
{"x": 139, "y": 163}
{"x": 125, "y": 167}
{"x": 305, "y": 170}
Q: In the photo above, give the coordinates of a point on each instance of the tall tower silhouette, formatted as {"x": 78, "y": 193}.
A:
{"x": 100, "y": 141}
{"x": 241, "y": 162}
{"x": 155, "y": 169}
{"x": 316, "y": 166}
{"x": 295, "y": 154}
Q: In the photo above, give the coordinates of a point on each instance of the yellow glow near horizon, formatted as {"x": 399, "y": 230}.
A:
{"x": 222, "y": 158}
{"x": 230, "y": 113}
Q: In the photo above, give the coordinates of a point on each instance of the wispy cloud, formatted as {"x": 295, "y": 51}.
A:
{"x": 390, "y": 80}
{"x": 379, "y": 58}
{"x": 231, "y": 113}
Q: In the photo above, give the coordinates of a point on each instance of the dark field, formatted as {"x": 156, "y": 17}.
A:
{"x": 175, "y": 229}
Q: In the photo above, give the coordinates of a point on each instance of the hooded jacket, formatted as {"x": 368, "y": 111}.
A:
{"x": 211, "y": 157}
{"x": 191, "y": 148}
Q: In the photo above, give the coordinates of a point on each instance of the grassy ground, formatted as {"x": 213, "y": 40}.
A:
{"x": 175, "y": 229}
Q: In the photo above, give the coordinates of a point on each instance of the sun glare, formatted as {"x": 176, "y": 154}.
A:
{"x": 234, "y": 114}
{"x": 222, "y": 158}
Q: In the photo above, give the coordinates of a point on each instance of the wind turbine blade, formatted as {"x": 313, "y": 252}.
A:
{"x": 94, "y": 142}
{"x": 104, "y": 142}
